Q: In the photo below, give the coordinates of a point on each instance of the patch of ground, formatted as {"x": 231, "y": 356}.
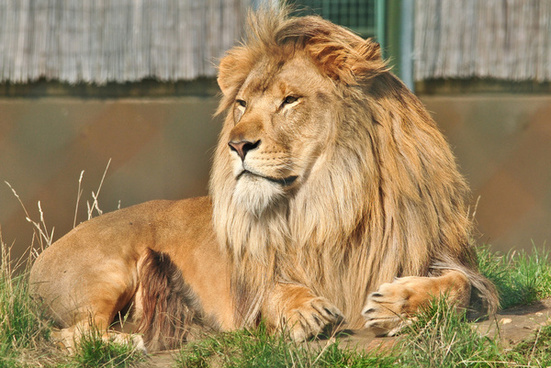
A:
{"x": 162, "y": 359}
{"x": 516, "y": 324}
{"x": 511, "y": 326}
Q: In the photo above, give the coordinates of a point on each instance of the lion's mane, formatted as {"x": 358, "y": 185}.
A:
{"x": 387, "y": 199}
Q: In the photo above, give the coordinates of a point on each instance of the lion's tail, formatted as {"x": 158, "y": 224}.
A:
{"x": 486, "y": 291}
{"x": 485, "y": 295}
{"x": 167, "y": 307}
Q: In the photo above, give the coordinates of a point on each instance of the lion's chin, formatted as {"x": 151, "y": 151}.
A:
{"x": 256, "y": 194}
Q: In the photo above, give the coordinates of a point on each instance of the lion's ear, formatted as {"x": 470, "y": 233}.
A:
{"x": 370, "y": 51}
{"x": 345, "y": 63}
{"x": 232, "y": 72}
{"x": 227, "y": 76}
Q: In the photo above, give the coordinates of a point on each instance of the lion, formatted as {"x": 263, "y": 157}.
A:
{"x": 334, "y": 202}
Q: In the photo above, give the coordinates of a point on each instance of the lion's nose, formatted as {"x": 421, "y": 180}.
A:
{"x": 243, "y": 147}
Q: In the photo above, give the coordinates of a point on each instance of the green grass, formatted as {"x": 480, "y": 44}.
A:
{"x": 441, "y": 337}
{"x": 519, "y": 277}
{"x": 258, "y": 348}
{"x": 22, "y": 328}
{"x": 94, "y": 351}
{"x": 438, "y": 338}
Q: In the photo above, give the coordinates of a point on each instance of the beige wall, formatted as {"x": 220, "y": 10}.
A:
{"x": 161, "y": 148}
{"x": 503, "y": 144}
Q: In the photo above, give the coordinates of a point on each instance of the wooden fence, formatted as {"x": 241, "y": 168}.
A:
{"x": 115, "y": 40}
{"x": 169, "y": 40}
{"x": 501, "y": 39}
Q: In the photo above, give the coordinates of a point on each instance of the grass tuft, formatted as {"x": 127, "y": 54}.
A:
{"x": 23, "y": 332}
{"x": 441, "y": 337}
{"x": 519, "y": 277}
{"x": 94, "y": 351}
{"x": 258, "y": 348}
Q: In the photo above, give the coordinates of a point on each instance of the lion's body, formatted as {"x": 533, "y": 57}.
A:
{"x": 335, "y": 182}
{"x": 94, "y": 271}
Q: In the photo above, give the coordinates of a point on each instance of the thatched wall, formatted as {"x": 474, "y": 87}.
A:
{"x": 115, "y": 40}
{"x": 502, "y": 39}
{"x": 170, "y": 40}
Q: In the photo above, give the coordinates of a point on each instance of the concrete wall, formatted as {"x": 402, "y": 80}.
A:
{"x": 503, "y": 144}
{"x": 161, "y": 148}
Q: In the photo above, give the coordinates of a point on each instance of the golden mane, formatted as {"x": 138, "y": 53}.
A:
{"x": 387, "y": 200}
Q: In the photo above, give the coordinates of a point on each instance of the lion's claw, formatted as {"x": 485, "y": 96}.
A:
{"x": 387, "y": 308}
{"x": 312, "y": 318}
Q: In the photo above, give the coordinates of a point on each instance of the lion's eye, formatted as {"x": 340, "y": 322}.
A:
{"x": 241, "y": 103}
{"x": 289, "y": 100}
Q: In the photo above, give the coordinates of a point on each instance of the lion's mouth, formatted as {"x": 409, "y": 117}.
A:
{"x": 285, "y": 182}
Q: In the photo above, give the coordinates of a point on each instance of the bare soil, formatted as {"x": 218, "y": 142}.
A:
{"x": 516, "y": 324}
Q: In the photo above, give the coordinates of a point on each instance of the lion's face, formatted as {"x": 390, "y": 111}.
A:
{"x": 280, "y": 123}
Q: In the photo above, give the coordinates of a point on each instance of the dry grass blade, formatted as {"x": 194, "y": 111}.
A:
{"x": 79, "y": 195}
{"x": 40, "y": 230}
{"x": 95, "y": 195}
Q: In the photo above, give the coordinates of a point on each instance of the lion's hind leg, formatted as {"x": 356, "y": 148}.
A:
{"x": 91, "y": 328}
{"x": 388, "y": 309}
{"x": 84, "y": 303}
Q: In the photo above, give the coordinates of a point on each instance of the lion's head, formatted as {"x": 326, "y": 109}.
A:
{"x": 329, "y": 172}
{"x": 284, "y": 91}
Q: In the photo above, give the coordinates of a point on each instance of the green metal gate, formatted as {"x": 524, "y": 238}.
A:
{"x": 366, "y": 17}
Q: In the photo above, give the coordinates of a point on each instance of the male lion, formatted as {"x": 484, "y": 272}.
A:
{"x": 334, "y": 199}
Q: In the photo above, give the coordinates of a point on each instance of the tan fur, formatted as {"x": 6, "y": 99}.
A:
{"x": 330, "y": 180}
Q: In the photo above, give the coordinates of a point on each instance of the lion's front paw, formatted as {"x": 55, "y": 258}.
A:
{"x": 387, "y": 308}
{"x": 312, "y": 318}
